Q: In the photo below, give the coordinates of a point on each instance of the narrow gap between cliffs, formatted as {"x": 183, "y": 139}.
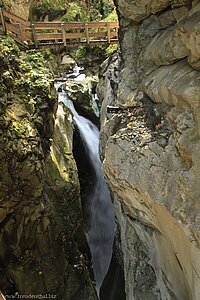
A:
{"x": 97, "y": 207}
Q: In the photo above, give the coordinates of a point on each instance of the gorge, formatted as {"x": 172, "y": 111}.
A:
{"x": 149, "y": 95}
{"x": 99, "y": 210}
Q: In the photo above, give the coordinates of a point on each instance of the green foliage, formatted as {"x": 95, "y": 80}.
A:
{"x": 85, "y": 51}
{"x": 112, "y": 16}
{"x": 26, "y": 73}
{"x": 45, "y": 5}
{"x": 111, "y": 49}
{"x": 7, "y": 46}
{"x": 108, "y": 7}
{"x": 5, "y": 3}
{"x": 76, "y": 12}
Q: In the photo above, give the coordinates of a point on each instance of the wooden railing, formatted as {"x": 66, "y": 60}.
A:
{"x": 58, "y": 34}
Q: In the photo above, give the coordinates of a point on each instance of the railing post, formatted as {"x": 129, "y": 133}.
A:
{"x": 108, "y": 32}
{"x": 87, "y": 33}
{"x": 63, "y": 34}
{"x": 34, "y": 35}
{"x": 21, "y": 32}
{"x": 3, "y": 21}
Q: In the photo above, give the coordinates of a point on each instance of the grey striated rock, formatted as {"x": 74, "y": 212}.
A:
{"x": 150, "y": 149}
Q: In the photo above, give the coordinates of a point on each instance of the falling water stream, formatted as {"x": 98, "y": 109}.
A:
{"x": 100, "y": 231}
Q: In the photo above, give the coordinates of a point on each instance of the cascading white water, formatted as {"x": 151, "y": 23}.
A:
{"x": 100, "y": 233}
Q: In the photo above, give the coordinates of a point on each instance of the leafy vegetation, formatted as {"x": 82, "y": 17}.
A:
{"x": 100, "y": 51}
{"x": 46, "y": 5}
{"x": 86, "y": 10}
{"x": 5, "y": 2}
{"x": 75, "y": 12}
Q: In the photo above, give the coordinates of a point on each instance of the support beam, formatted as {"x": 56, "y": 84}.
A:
{"x": 108, "y": 32}
{"x": 87, "y": 33}
{"x": 63, "y": 34}
{"x": 34, "y": 35}
{"x": 3, "y": 21}
{"x": 21, "y": 32}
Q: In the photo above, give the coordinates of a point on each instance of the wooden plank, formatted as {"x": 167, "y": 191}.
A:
{"x": 13, "y": 28}
{"x": 74, "y": 35}
{"x": 15, "y": 18}
{"x": 27, "y": 36}
{"x": 44, "y": 26}
{"x": 114, "y": 24}
{"x": 74, "y": 25}
{"x": 98, "y": 34}
{"x": 49, "y": 36}
{"x": 113, "y": 34}
{"x": 27, "y": 33}
{"x": 73, "y": 44}
{"x": 90, "y": 25}
{"x": 102, "y": 24}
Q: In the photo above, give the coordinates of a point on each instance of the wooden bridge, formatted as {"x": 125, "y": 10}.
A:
{"x": 58, "y": 34}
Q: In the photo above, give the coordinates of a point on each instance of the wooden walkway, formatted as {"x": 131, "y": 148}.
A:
{"x": 56, "y": 34}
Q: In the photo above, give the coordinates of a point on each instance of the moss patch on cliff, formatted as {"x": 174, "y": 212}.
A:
{"x": 26, "y": 89}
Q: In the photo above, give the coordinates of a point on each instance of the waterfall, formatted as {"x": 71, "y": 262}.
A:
{"x": 100, "y": 232}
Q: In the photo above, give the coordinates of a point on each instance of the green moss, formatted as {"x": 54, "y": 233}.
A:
{"x": 18, "y": 127}
{"x": 25, "y": 90}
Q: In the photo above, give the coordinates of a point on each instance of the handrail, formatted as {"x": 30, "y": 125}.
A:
{"x": 53, "y": 34}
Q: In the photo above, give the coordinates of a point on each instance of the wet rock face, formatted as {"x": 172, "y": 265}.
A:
{"x": 82, "y": 94}
{"x": 150, "y": 147}
{"x": 40, "y": 213}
